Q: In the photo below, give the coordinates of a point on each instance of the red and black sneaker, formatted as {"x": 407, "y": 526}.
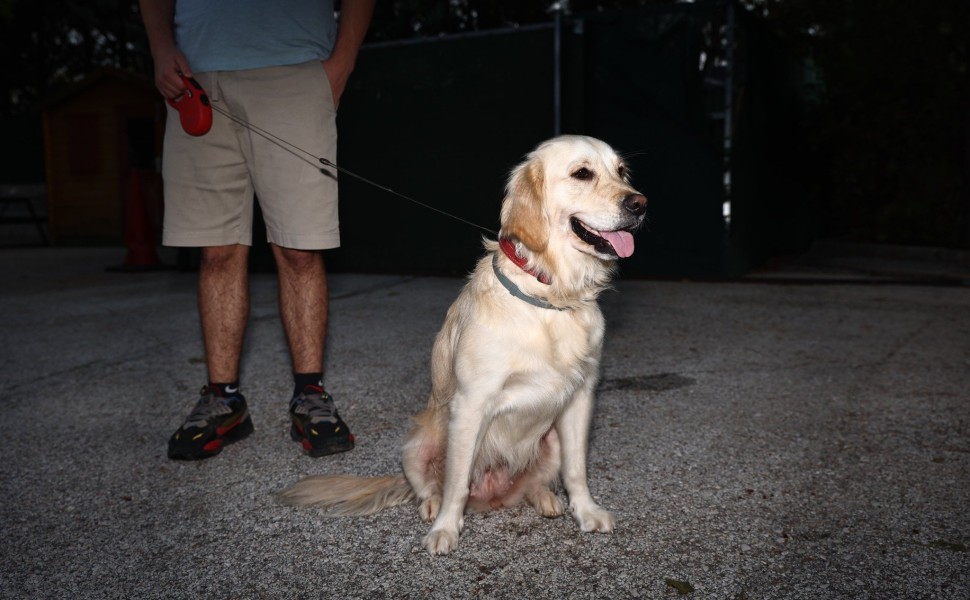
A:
{"x": 316, "y": 424}
{"x": 214, "y": 422}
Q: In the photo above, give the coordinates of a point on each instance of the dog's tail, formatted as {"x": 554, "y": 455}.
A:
{"x": 347, "y": 495}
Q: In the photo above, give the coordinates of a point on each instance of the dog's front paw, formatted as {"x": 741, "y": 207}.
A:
{"x": 594, "y": 518}
{"x": 440, "y": 541}
{"x": 429, "y": 507}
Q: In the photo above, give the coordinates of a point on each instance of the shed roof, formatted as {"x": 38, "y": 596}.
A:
{"x": 76, "y": 88}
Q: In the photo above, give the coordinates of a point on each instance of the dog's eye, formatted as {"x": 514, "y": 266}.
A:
{"x": 582, "y": 174}
{"x": 622, "y": 171}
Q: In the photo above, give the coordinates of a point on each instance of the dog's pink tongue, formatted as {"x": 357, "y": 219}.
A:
{"x": 622, "y": 242}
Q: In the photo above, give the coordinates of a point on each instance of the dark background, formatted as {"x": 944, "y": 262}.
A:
{"x": 849, "y": 118}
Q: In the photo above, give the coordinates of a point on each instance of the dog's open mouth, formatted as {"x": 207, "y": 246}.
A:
{"x": 617, "y": 243}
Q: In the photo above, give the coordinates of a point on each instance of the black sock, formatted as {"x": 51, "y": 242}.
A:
{"x": 302, "y": 380}
{"x": 225, "y": 390}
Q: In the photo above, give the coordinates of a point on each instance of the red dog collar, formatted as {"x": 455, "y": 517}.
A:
{"x": 508, "y": 248}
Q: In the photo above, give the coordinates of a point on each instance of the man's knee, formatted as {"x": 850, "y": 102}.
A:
{"x": 298, "y": 260}
{"x": 224, "y": 257}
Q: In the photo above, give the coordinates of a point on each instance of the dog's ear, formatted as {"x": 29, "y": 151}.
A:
{"x": 522, "y": 215}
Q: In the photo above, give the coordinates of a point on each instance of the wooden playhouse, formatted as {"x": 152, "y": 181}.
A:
{"x": 98, "y": 132}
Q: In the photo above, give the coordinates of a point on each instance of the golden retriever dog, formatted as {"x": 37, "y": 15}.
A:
{"x": 516, "y": 363}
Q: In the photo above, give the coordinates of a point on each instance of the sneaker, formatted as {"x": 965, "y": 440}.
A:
{"x": 214, "y": 422}
{"x": 317, "y": 425}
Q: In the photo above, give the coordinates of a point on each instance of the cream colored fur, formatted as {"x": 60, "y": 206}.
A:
{"x": 512, "y": 383}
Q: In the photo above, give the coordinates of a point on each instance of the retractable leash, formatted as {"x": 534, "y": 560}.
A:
{"x": 195, "y": 114}
{"x": 195, "y": 111}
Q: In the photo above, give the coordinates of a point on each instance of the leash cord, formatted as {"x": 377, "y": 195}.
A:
{"x": 297, "y": 151}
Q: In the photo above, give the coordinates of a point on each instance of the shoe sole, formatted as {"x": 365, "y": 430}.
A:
{"x": 333, "y": 446}
{"x": 232, "y": 436}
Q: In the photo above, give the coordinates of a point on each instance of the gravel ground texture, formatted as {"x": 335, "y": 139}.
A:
{"x": 787, "y": 437}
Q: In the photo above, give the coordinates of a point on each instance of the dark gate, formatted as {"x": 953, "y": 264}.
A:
{"x": 443, "y": 120}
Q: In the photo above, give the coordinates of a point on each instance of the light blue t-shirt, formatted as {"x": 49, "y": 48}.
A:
{"x": 230, "y": 35}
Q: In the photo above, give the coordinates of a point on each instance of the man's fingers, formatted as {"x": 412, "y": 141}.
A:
{"x": 168, "y": 66}
{"x": 182, "y": 64}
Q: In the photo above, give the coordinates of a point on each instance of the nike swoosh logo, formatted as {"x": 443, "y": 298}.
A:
{"x": 231, "y": 390}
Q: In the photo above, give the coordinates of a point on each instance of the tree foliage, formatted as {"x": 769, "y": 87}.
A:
{"x": 403, "y": 19}
{"x": 47, "y": 43}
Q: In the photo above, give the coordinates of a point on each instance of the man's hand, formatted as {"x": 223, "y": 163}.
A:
{"x": 355, "y": 18}
{"x": 169, "y": 62}
{"x": 338, "y": 72}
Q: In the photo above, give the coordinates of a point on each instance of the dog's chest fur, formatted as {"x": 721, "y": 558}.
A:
{"x": 532, "y": 361}
{"x": 534, "y": 358}
{"x": 557, "y": 355}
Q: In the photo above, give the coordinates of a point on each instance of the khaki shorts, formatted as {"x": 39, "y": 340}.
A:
{"x": 210, "y": 180}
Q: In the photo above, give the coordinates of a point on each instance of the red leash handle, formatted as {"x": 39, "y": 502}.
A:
{"x": 195, "y": 112}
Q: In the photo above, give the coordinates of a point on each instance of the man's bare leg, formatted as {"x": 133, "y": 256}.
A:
{"x": 221, "y": 416}
{"x": 224, "y": 308}
{"x": 304, "y": 305}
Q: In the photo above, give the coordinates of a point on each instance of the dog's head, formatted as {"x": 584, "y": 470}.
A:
{"x": 573, "y": 192}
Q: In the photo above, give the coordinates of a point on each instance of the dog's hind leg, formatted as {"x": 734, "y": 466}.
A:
{"x": 539, "y": 490}
{"x": 546, "y": 502}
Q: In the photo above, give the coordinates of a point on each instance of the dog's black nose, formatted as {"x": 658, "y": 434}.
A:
{"x": 636, "y": 204}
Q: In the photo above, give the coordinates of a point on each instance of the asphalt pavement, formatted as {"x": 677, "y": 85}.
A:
{"x": 804, "y": 433}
